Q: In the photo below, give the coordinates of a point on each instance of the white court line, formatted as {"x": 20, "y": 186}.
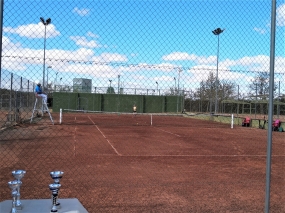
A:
{"x": 168, "y": 132}
{"x": 105, "y": 137}
{"x": 74, "y": 139}
{"x": 201, "y": 156}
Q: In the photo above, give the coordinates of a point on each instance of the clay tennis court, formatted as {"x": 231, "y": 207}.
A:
{"x": 121, "y": 163}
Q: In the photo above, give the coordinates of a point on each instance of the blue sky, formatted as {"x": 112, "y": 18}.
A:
{"x": 151, "y": 39}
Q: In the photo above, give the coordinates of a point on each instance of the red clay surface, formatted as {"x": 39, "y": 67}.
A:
{"x": 117, "y": 163}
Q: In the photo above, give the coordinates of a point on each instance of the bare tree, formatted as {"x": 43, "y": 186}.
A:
{"x": 259, "y": 88}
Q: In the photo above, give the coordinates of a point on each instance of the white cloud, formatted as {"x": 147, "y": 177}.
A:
{"x": 280, "y": 15}
{"x": 251, "y": 63}
{"x": 163, "y": 79}
{"x": 259, "y": 30}
{"x": 202, "y": 72}
{"x": 254, "y": 63}
{"x": 7, "y": 44}
{"x": 179, "y": 56}
{"x": 90, "y": 34}
{"x": 81, "y": 12}
{"x": 183, "y": 56}
{"x": 81, "y": 54}
{"x": 96, "y": 70}
{"x": 14, "y": 64}
{"x": 83, "y": 42}
{"x": 33, "y": 30}
{"x": 110, "y": 57}
{"x": 206, "y": 60}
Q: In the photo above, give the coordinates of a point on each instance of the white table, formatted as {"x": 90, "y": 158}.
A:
{"x": 71, "y": 205}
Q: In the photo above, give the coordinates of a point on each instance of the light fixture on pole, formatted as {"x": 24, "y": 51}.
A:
{"x": 119, "y": 84}
{"x": 45, "y": 23}
{"x": 110, "y": 84}
{"x": 156, "y": 87}
{"x": 217, "y": 32}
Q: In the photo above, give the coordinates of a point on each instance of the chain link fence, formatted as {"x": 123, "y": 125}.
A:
{"x": 201, "y": 61}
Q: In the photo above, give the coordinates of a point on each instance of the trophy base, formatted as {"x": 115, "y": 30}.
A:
{"x": 58, "y": 206}
{"x": 19, "y": 207}
{"x": 43, "y": 205}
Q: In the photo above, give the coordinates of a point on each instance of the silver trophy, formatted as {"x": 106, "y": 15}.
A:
{"x": 56, "y": 176}
{"x": 14, "y": 185}
{"x": 54, "y": 187}
{"x": 18, "y": 175}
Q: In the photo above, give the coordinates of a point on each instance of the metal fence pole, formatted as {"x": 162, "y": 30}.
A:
{"x": 11, "y": 89}
{"x": 278, "y": 103}
{"x": 1, "y": 34}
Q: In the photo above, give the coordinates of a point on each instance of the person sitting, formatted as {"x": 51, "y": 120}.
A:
{"x": 276, "y": 125}
{"x": 39, "y": 93}
{"x": 246, "y": 122}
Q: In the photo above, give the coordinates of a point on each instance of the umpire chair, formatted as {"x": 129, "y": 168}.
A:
{"x": 43, "y": 108}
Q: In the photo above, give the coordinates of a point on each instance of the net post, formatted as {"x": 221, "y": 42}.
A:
{"x": 60, "y": 116}
{"x": 232, "y": 122}
{"x": 151, "y": 119}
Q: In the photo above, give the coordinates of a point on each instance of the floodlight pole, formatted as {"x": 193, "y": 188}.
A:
{"x": 179, "y": 70}
{"x": 278, "y": 110}
{"x": 55, "y": 82}
{"x": 45, "y": 23}
{"x": 238, "y": 102}
{"x": 110, "y": 83}
{"x": 271, "y": 106}
{"x": 174, "y": 84}
{"x": 47, "y": 74}
{"x": 255, "y": 100}
{"x": 119, "y": 84}
{"x": 217, "y": 32}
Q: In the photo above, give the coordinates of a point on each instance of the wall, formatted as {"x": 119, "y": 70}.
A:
{"x": 116, "y": 102}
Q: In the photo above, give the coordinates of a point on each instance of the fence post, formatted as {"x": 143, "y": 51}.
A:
{"x": 1, "y": 35}
{"x": 11, "y": 89}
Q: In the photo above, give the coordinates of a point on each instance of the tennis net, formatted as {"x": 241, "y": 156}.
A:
{"x": 102, "y": 118}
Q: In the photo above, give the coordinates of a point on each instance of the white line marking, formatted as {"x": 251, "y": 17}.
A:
{"x": 105, "y": 137}
{"x": 74, "y": 139}
{"x": 201, "y": 155}
{"x": 168, "y": 132}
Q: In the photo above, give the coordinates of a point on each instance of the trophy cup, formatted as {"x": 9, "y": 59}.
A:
{"x": 56, "y": 176}
{"x": 54, "y": 187}
{"x": 14, "y": 185}
{"x": 18, "y": 174}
